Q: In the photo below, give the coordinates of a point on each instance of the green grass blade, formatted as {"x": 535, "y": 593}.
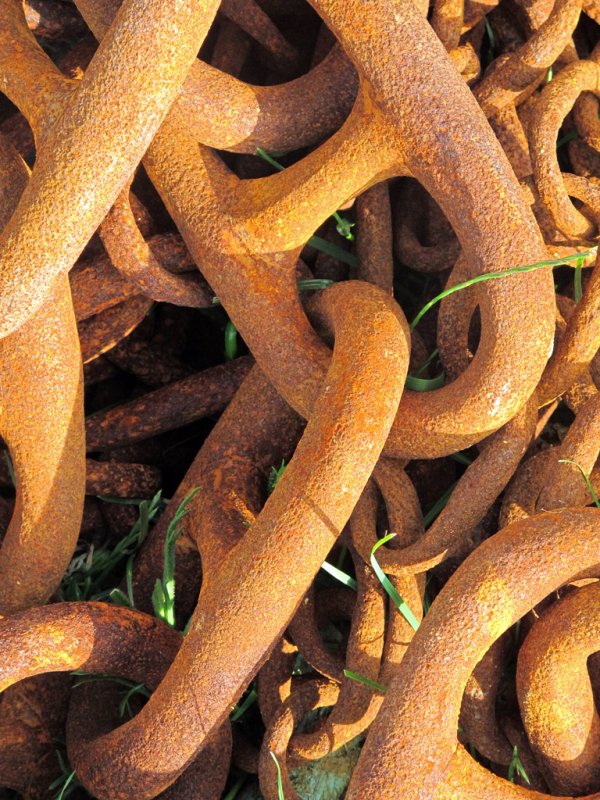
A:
{"x": 398, "y": 601}
{"x": 119, "y": 598}
{"x": 138, "y": 688}
{"x": 356, "y": 676}
{"x": 68, "y": 782}
{"x": 231, "y": 341}
{"x": 586, "y": 478}
{"x": 489, "y": 276}
{"x": 461, "y": 458}
{"x": 438, "y": 506}
{"x": 568, "y": 137}
{"x": 163, "y": 594}
{"x": 427, "y": 362}
{"x": 239, "y": 711}
{"x": 425, "y": 384}
{"x": 516, "y": 767}
{"x": 120, "y": 501}
{"x": 275, "y": 476}
{"x": 234, "y": 791}
{"x": 129, "y": 579}
{"x": 490, "y": 34}
{"x": 344, "y": 226}
{"x": 577, "y": 281}
{"x": 269, "y": 159}
{"x": 314, "y": 284}
{"x": 339, "y": 575}
{"x": 279, "y": 776}
{"x": 158, "y": 599}
{"x": 333, "y": 250}
{"x": 11, "y": 469}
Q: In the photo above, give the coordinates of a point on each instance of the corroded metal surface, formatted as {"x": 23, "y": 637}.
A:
{"x": 422, "y": 145}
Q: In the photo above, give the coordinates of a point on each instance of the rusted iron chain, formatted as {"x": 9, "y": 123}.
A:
{"x": 386, "y": 146}
{"x": 500, "y": 582}
{"x": 423, "y": 146}
{"x": 265, "y": 549}
{"x": 555, "y": 694}
{"x": 75, "y": 145}
{"x": 41, "y": 421}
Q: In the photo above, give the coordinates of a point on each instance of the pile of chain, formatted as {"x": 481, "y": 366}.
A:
{"x": 164, "y": 168}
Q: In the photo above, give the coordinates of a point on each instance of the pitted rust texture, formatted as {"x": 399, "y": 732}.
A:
{"x": 319, "y": 510}
{"x": 41, "y": 421}
{"x": 92, "y": 132}
{"x": 555, "y": 694}
{"x": 494, "y": 587}
{"x": 388, "y": 144}
{"x": 468, "y": 104}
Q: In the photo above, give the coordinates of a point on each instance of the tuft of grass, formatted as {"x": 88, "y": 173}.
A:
{"x": 586, "y": 478}
{"x": 516, "y": 767}
{"x": 279, "y": 777}
{"x": 489, "y": 276}
{"x": 275, "y": 476}
{"x": 67, "y": 782}
{"x": 356, "y": 676}
{"x": 92, "y": 574}
{"x": 398, "y": 601}
{"x": 163, "y": 595}
{"x": 130, "y": 688}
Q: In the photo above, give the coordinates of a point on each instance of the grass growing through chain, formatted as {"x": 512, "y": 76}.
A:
{"x": 389, "y": 587}
{"x": 275, "y": 476}
{"x": 419, "y": 384}
{"x": 67, "y": 782}
{"x": 489, "y": 276}
{"x": 279, "y": 777}
{"x": 339, "y": 575}
{"x": 86, "y": 579}
{"x": 234, "y": 791}
{"x": 241, "y": 708}
{"x": 586, "y": 478}
{"x": 163, "y": 595}
{"x": 92, "y": 575}
{"x": 516, "y": 767}
{"x": 356, "y": 676}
